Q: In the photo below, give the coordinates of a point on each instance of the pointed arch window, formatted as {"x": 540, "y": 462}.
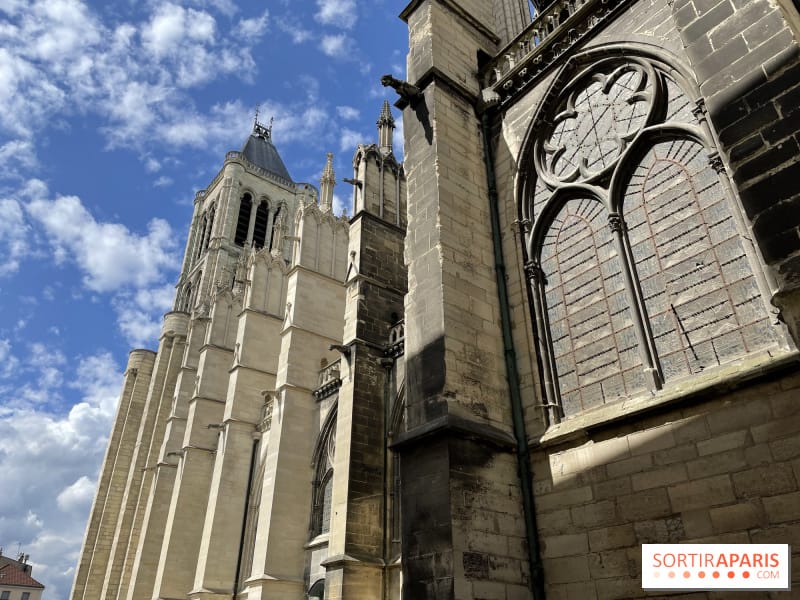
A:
{"x": 260, "y": 225}
{"x": 201, "y": 237}
{"x": 323, "y": 476}
{"x": 243, "y": 221}
{"x": 639, "y": 270}
{"x": 210, "y": 222}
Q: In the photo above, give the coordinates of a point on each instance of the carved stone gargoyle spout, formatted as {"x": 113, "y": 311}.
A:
{"x": 408, "y": 92}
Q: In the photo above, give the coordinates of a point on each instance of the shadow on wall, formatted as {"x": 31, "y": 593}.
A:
{"x": 720, "y": 470}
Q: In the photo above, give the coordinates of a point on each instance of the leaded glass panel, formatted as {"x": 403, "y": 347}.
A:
{"x": 692, "y": 255}
{"x": 590, "y": 322}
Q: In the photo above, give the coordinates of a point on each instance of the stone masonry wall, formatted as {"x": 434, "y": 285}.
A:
{"x": 724, "y": 469}
{"x": 747, "y": 60}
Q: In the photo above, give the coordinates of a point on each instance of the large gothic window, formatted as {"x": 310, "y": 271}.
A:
{"x": 640, "y": 270}
{"x": 323, "y": 475}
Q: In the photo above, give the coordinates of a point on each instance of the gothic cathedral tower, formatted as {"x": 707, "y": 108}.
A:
{"x": 234, "y": 468}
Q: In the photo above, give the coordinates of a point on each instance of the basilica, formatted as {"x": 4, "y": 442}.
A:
{"x": 566, "y": 325}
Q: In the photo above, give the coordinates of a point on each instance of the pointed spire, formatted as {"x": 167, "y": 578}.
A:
{"x": 385, "y": 128}
{"x": 326, "y": 183}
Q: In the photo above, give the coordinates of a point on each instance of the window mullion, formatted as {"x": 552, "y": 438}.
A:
{"x": 644, "y": 336}
{"x": 553, "y": 401}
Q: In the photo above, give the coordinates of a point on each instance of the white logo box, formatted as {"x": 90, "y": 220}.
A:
{"x": 716, "y": 567}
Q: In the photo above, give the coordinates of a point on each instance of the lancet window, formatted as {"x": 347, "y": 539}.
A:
{"x": 260, "y": 225}
{"x": 639, "y": 267}
{"x": 243, "y": 221}
{"x": 323, "y": 476}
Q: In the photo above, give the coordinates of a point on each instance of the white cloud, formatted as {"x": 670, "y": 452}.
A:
{"x": 151, "y": 165}
{"x": 297, "y": 32}
{"x": 338, "y": 13}
{"x": 252, "y": 29}
{"x": 58, "y": 58}
{"x": 14, "y": 233}
{"x": 34, "y": 507}
{"x": 110, "y": 256}
{"x": 337, "y": 46}
{"x": 341, "y": 206}
{"x": 348, "y": 113}
{"x": 349, "y": 139}
{"x": 15, "y": 155}
{"x": 8, "y": 362}
{"x": 139, "y": 313}
{"x": 162, "y": 181}
{"x": 77, "y": 496}
{"x": 172, "y": 28}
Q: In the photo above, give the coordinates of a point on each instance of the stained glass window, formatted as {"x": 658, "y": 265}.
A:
{"x": 638, "y": 267}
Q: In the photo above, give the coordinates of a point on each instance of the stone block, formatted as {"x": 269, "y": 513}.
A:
{"x": 786, "y": 448}
{"x": 571, "y": 591}
{"x": 565, "y": 545}
{"x": 758, "y": 455}
{"x": 571, "y": 497}
{"x": 612, "y": 488}
{"x": 611, "y": 537}
{"x": 736, "y": 517}
{"x": 660, "y": 531}
{"x": 701, "y": 493}
{"x": 567, "y": 570}
{"x": 789, "y": 425}
{"x": 631, "y": 465}
{"x": 488, "y": 590}
{"x": 594, "y": 514}
{"x": 619, "y": 588}
{"x": 782, "y": 508}
{"x": 681, "y": 454}
{"x": 696, "y": 523}
{"x": 647, "y": 504}
{"x": 721, "y": 443}
{"x": 650, "y": 440}
{"x": 555, "y": 521}
{"x": 769, "y": 480}
{"x": 658, "y": 477}
{"x": 715, "y": 464}
{"x": 611, "y": 563}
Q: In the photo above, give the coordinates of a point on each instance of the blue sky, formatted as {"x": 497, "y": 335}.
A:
{"x": 112, "y": 114}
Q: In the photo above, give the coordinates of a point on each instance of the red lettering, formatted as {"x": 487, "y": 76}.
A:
{"x": 774, "y": 560}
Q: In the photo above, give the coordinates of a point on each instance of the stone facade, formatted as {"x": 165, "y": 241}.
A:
{"x": 565, "y": 326}
{"x": 588, "y": 387}
{"x": 215, "y": 479}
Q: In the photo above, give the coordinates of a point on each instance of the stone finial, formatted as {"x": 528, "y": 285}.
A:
{"x": 326, "y": 183}
{"x": 385, "y": 127}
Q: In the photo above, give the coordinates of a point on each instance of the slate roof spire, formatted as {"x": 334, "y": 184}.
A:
{"x": 260, "y": 150}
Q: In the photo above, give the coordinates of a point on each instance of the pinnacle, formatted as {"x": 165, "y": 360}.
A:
{"x": 386, "y": 115}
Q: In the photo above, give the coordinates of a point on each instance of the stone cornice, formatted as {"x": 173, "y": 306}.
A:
{"x": 458, "y": 427}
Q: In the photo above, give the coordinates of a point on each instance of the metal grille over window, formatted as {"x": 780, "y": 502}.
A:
{"x": 639, "y": 268}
